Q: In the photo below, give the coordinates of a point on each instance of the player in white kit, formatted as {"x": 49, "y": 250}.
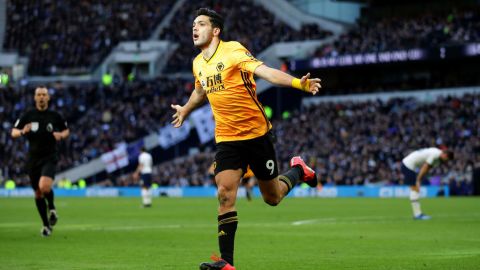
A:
{"x": 415, "y": 166}
{"x": 144, "y": 170}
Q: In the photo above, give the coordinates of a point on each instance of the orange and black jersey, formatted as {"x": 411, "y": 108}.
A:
{"x": 227, "y": 78}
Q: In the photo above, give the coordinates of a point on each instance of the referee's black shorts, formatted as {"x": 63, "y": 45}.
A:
{"x": 259, "y": 153}
{"x": 38, "y": 167}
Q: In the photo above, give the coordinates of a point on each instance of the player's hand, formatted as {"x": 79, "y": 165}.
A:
{"x": 178, "y": 116}
{"x": 136, "y": 176}
{"x": 313, "y": 84}
{"x": 58, "y": 136}
{"x": 27, "y": 128}
{"x": 417, "y": 186}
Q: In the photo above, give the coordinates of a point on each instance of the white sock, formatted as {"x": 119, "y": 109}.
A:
{"x": 149, "y": 196}
{"x": 144, "y": 196}
{"x": 414, "y": 200}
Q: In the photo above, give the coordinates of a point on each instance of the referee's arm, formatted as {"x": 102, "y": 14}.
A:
{"x": 16, "y": 132}
{"x": 62, "y": 135}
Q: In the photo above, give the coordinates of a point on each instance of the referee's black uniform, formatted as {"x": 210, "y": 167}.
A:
{"x": 42, "y": 155}
{"x": 42, "y": 152}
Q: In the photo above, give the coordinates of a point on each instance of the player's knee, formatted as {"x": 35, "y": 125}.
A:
{"x": 225, "y": 196}
{"x": 45, "y": 188}
{"x": 272, "y": 201}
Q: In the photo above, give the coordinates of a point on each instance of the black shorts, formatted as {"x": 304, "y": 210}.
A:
{"x": 41, "y": 167}
{"x": 409, "y": 176}
{"x": 146, "y": 180}
{"x": 259, "y": 153}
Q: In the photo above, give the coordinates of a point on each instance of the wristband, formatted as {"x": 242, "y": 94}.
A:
{"x": 297, "y": 84}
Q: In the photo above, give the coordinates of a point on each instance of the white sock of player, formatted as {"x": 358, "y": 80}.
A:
{"x": 149, "y": 196}
{"x": 144, "y": 196}
{"x": 414, "y": 200}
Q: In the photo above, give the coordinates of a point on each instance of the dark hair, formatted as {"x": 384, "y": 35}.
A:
{"x": 215, "y": 18}
{"x": 449, "y": 153}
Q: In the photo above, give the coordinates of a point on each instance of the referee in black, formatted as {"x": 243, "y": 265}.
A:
{"x": 42, "y": 128}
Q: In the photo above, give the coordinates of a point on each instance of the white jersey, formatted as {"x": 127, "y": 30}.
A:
{"x": 417, "y": 158}
{"x": 147, "y": 162}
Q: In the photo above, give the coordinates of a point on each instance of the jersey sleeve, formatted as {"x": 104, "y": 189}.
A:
{"x": 22, "y": 121}
{"x": 244, "y": 59}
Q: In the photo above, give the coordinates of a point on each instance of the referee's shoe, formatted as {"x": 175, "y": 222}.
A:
{"x": 46, "y": 231}
{"x": 308, "y": 175}
{"x": 53, "y": 217}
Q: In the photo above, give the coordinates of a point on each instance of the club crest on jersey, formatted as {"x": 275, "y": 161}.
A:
{"x": 34, "y": 126}
{"x": 220, "y": 67}
{"x": 49, "y": 127}
{"x": 204, "y": 84}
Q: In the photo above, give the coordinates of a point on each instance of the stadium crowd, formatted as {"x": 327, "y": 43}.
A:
{"x": 427, "y": 30}
{"x": 362, "y": 143}
{"x": 59, "y": 43}
{"x": 352, "y": 144}
{"x": 99, "y": 117}
{"x": 245, "y": 22}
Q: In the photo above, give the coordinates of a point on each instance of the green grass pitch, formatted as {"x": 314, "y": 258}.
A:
{"x": 300, "y": 233}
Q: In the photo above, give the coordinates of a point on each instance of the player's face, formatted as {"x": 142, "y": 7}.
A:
{"x": 41, "y": 98}
{"x": 202, "y": 31}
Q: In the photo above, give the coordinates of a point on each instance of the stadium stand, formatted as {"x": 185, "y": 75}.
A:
{"x": 431, "y": 29}
{"x": 246, "y": 22}
{"x": 59, "y": 43}
{"x": 361, "y": 143}
{"x": 353, "y": 144}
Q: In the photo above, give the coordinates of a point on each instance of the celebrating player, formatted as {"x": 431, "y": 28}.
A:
{"x": 223, "y": 73}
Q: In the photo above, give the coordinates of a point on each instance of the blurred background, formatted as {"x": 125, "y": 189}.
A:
{"x": 396, "y": 76}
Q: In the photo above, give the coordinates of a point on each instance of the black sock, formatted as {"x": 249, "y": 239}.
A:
{"x": 42, "y": 210}
{"x": 227, "y": 226}
{"x": 291, "y": 177}
{"x": 49, "y": 197}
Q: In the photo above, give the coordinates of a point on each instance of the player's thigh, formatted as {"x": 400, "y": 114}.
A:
{"x": 409, "y": 176}
{"x": 262, "y": 158}
{"x": 146, "y": 179}
{"x": 229, "y": 157}
{"x": 47, "y": 175}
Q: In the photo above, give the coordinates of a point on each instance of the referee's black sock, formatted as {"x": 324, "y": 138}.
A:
{"x": 291, "y": 177}
{"x": 42, "y": 210}
{"x": 227, "y": 226}
{"x": 49, "y": 196}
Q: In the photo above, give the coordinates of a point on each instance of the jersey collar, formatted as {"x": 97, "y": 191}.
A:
{"x": 213, "y": 55}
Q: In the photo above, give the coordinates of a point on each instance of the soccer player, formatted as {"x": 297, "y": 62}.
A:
{"x": 42, "y": 128}
{"x": 422, "y": 160}
{"x": 144, "y": 172}
{"x": 223, "y": 73}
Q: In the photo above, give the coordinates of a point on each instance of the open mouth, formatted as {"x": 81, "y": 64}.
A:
{"x": 195, "y": 36}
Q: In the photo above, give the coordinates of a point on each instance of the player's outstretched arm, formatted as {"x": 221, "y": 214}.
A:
{"x": 281, "y": 78}
{"x": 197, "y": 97}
